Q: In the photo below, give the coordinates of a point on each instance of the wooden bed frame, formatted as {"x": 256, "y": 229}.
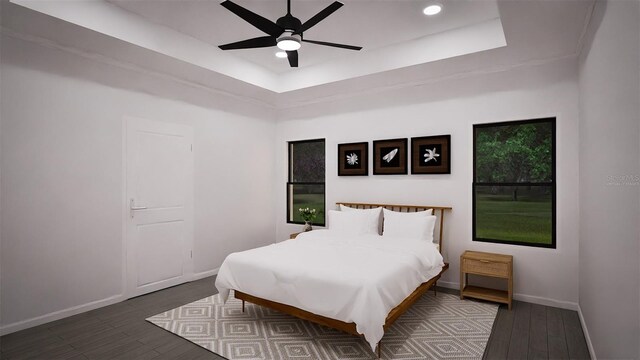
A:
{"x": 395, "y": 313}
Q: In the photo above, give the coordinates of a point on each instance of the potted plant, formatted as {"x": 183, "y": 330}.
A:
{"x": 308, "y": 215}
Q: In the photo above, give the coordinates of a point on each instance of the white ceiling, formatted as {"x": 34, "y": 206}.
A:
{"x": 370, "y": 24}
{"x": 191, "y": 30}
{"x": 179, "y": 38}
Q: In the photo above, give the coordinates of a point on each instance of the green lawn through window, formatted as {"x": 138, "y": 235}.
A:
{"x": 527, "y": 219}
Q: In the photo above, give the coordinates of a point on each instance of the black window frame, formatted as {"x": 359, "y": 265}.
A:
{"x": 290, "y": 181}
{"x": 551, "y": 185}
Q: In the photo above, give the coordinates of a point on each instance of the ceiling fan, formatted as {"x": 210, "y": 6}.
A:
{"x": 286, "y": 33}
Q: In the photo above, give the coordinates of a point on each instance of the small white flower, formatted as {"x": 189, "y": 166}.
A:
{"x": 352, "y": 159}
{"x": 431, "y": 155}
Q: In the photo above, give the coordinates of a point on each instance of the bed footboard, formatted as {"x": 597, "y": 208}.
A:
{"x": 349, "y": 328}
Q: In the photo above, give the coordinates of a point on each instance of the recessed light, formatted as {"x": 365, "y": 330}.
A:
{"x": 281, "y": 54}
{"x": 432, "y": 9}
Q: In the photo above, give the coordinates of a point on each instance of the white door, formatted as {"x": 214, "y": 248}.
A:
{"x": 159, "y": 221}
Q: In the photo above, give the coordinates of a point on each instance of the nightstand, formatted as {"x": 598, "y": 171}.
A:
{"x": 486, "y": 264}
{"x": 293, "y": 236}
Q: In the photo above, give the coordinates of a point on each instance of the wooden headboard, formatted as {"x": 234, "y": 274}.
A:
{"x": 437, "y": 211}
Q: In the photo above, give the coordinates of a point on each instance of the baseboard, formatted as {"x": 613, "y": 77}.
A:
{"x": 60, "y": 314}
{"x": 204, "y": 274}
{"x": 547, "y": 302}
{"x": 592, "y": 352}
{"x": 57, "y": 315}
{"x": 523, "y": 297}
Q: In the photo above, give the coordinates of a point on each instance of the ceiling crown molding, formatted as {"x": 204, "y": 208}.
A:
{"x": 107, "y": 60}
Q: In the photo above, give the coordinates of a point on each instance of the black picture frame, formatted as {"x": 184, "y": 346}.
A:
{"x": 353, "y": 159}
{"x": 431, "y": 155}
{"x": 390, "y": 157}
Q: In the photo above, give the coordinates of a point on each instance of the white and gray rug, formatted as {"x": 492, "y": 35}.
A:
{"x": 435, "y": 327}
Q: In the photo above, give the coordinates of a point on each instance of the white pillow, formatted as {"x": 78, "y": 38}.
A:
{"x": 416, "y": 225}
{"x": 373, "y": 212}
{"x": 354, "y": 222}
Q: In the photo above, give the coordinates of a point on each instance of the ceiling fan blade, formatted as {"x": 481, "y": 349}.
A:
{"x": 259, "y": 42}
{"x": 292, "y": 56}
{"x": 254, "y": 19}
{"x": 319, "y": 16}
{"x": 342, "y": 46}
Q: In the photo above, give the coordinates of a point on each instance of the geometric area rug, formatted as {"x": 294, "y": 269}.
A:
{"x": 435, "y": 327}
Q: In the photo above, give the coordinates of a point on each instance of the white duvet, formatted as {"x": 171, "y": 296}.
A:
{"x": 352, "y": 279}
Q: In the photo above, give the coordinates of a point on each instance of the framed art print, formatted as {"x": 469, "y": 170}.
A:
{"x": 353, "y": 159}
{"x": 390, "y": 157}
{"x": 431, "y": 155}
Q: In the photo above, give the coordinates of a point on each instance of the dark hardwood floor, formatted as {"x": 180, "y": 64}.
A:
{"x": 117, "y": 331}
{"x": 120, "y": 331}
{"x": 531, "y": 331}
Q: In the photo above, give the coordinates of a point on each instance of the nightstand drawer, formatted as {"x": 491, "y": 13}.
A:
{"x": 486, "y": 267}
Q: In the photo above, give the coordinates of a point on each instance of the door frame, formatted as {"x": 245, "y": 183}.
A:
{"x": 189, "y": 270}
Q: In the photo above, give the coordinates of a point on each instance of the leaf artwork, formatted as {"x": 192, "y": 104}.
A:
{"x": 352, "y": 159}
{"x": 390, "y": 155}
{"x": 431, "y": 155}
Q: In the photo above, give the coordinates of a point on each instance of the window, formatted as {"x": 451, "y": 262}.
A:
{"x": 514, "y": 182}
{"x": 306, "y": 180}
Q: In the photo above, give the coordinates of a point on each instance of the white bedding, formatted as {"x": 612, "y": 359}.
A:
{"x": 352, "y": 279}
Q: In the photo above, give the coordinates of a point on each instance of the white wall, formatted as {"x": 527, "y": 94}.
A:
{"x": 610, "y": 180}
{"x": 62, "y": 188}
{"x": 548, "y": 276}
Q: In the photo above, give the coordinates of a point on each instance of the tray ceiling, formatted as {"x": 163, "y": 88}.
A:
{"x": 394, "y": 34}
{"x": 179, "y": 39}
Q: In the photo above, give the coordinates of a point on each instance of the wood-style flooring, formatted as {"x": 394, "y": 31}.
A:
{"x": 120, "y": 331}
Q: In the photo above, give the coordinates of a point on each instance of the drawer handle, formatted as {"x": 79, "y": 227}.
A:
{"x": 485, "y": 261}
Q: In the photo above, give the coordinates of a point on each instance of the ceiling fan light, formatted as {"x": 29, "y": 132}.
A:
{"x": 432, "y": 9}
{"x": 281, "y": 54}
{"x": 289, "y": 42}
{"x": 289, "y": 45}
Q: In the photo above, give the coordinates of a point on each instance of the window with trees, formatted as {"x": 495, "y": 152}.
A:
{"x": 514, "y": 182}
{"x": 305, "y": 188}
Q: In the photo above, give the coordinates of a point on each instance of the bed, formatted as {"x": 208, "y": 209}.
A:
{"x": 357, "y": 282}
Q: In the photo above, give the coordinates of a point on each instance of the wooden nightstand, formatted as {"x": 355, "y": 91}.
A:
{"x": 486, "y": 264}
{"x": 293, "y": 236}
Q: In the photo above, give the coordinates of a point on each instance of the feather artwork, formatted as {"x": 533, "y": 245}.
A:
{"x": 390, "y": 155}
{"x": 352, "y": 159}
{"x": 431, "y": 155}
